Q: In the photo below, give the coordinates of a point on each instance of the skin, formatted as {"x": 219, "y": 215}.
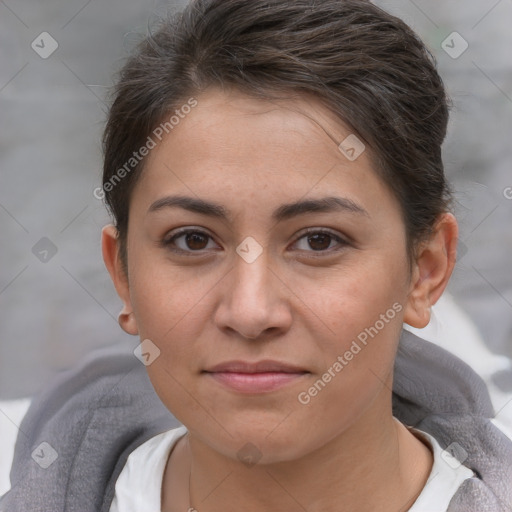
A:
{"x": 293, "y": 304}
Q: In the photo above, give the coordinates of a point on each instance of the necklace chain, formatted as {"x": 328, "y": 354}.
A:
{"x": 191, "y": 508}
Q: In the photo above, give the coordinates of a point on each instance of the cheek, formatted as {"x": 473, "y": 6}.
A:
{"x": 171, "y": 310}
{"x": 168, "y": 300}
{"x": 344, "y": 303}
{"x": 363, "y": 310}
{"x": 358, "y": 364}
{"x": 362, "y": 338}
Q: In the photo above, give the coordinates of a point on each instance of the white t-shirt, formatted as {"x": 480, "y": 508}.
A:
{"x": 139, "y": 486}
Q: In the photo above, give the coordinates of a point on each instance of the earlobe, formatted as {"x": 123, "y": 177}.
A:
{"x": 111, "y": 257}
{"x": 432, "y": 270}
{"x": 127, "y": 321}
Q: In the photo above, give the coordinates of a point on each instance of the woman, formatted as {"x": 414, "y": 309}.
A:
{"x": 280, "y": 209}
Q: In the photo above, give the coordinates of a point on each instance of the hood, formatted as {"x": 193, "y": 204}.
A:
{"x": 437, "y": 392}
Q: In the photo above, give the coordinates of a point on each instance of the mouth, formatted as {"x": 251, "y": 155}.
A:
{"x": 259, "y": 377}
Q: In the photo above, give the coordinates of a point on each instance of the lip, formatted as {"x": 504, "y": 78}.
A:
{"x": 266, "y": 365}
{"x": 262, "y": 382}
{"x": 255, "y": 377}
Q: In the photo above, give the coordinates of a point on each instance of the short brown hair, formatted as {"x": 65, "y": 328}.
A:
{"x": 367, "y": 66}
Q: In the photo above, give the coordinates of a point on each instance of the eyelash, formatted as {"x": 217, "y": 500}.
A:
{"x": 168, "y": 241}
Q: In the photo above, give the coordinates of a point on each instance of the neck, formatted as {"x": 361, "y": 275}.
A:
{"x": 376, "y": 465}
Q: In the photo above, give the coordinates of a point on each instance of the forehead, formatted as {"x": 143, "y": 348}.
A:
{"x": 233, "y": 145}
{"x": 223, "y": 118}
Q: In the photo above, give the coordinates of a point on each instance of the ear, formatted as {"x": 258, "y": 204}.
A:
{"x": 112, "y": 259}
{"x": 432, "y": 269}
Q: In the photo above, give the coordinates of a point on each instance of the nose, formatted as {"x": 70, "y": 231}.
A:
{"x": 254, "y": 300}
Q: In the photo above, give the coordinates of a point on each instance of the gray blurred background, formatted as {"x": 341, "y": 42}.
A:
{"x": 56, "y": 306}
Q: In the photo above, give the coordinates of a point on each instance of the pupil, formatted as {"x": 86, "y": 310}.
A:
{"x": 323, "y": 237}
{"x": 195, "y": 238}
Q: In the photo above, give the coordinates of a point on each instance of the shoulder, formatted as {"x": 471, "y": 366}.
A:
{"x": 139, "y": 486}
{"x": 436, "y": 392}
{"x": 79, "y": 431}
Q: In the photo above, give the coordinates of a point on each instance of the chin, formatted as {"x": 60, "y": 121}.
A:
{"x": 262, "y": 441}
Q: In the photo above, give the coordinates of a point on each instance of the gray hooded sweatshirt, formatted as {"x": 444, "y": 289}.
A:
{"x": 78, "y": 432}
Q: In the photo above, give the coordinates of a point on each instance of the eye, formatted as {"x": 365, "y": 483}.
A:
{"x": 191, "y": 240}
{"x": 320, "y": 240}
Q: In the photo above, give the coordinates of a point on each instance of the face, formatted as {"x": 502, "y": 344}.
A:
{"x": 321, "y": 290}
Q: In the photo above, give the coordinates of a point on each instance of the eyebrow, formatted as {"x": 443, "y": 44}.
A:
{"x": 284, "y": 212}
